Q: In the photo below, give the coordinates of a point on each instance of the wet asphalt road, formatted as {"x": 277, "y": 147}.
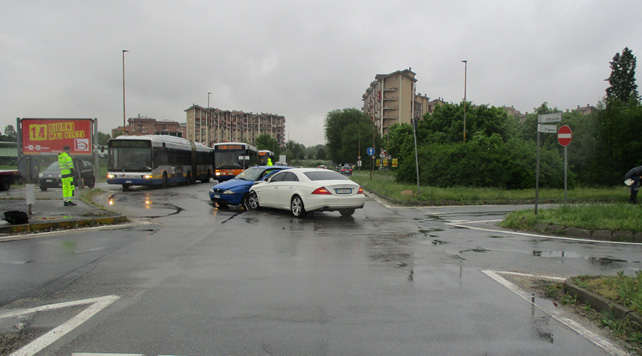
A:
{"x": 195, "y": 280}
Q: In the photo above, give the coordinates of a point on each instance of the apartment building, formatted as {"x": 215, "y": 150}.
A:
{"x": 143, "y": 125}
{"x": 213, "y": 125}
{"x": 392, "y": 99}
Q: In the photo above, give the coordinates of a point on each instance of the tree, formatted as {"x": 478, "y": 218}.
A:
{"x": 10, "y": 134}
{"x": 267, "y": 142}
{"x": 349, "y": 133}
{"x": 103, "y": 138}
{"x": 622, "y": 79}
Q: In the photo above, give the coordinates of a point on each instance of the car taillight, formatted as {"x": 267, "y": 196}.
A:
{"x": 360, "y": 191}
{"x": 321, "y": 191}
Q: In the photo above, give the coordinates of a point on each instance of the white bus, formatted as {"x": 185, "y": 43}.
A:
{"x": 157, "y": 160}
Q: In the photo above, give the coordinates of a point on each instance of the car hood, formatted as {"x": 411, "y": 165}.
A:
{"x": 233, "y": 183}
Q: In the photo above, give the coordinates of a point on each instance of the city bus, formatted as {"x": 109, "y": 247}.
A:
{"x": 232, "y": 158}
{"x": 157, "y": 160}
{"x": 263, "y": 157}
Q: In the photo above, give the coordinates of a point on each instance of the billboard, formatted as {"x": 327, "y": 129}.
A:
{"x": 49, "y": 136}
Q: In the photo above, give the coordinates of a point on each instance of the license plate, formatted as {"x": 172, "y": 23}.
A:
{"x": 128, "y": 181}
{"x": 343, "y": 190}
{"x": 216, "y": 196}
{"x": 50, "y": 180}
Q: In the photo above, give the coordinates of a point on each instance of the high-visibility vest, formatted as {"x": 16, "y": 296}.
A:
{"x": 66, "y": 164}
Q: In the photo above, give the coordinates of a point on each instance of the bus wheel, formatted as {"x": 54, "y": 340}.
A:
{"x": 189, "y": 178}
{"x": 207, "y": 177}
{"x": 165, "y": 183}
{"x": 125, "y": 186}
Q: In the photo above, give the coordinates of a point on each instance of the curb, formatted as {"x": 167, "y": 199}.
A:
{"x": 72, "y": 223}
{"x": 600, "y": 304}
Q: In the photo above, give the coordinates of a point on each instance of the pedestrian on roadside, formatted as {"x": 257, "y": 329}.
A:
{"x": 66, "y": 176}
{"x": 637, "y": 177}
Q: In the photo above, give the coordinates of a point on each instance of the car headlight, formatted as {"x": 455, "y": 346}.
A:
{"x": 228, "y": 192}
{"x": 212, "y": 190}
{"x": 40, "y": 175}
{"x": 110, "y": 176}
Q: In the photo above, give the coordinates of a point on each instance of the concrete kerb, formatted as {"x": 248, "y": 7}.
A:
{"x": 66, "y": 224}
{"x": 601, "y": 304}
{"x": 49, "y": 217}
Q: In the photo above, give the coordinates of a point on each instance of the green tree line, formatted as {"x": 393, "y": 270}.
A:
{"x": 501, "y": 150}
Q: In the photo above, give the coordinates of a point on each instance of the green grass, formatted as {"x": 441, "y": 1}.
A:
{"x": 586, "y": 208}
{"x": 383, "y": 183}
{"x": 598, "y": 216}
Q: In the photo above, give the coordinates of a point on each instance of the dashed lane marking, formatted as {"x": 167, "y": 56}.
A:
{"x": 97, "y": 304}
{"x": 599, "y": 341}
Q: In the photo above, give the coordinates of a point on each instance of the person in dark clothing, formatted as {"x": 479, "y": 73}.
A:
{"x": 633, "y": 199}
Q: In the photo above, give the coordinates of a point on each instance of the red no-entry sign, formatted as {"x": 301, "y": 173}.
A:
{"x": 564, "y": 135}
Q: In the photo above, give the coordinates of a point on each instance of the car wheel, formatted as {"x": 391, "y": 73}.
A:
{"x": 252, "y": 201}
{"x": 246, "y": 202}
{"x": 44, "y": 189}
{"x": 296, "y": 207}
{"x": 92, "y": 182}
{"x": 346, "y": 212}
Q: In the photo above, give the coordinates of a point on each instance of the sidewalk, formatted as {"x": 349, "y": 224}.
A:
{"x": 49, "y": 213}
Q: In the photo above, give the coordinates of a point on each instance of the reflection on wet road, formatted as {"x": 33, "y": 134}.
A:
{"x": 199, "y": 280}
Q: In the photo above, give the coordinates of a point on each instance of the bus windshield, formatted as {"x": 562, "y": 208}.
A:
{"x": 130, "y": 156}
{"x": 230, "y": 159}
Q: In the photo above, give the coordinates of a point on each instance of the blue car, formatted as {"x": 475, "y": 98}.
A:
{"x": 235, "y": 191}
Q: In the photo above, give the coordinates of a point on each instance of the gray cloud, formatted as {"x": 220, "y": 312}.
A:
{"x": 300, "y": 59}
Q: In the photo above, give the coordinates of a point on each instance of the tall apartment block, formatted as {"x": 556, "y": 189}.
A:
{"x": 212, "y": 125}
{"x": 392, "y": 99}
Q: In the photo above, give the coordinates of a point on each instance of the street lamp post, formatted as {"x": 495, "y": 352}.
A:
{"x": 124, "y": 124}
{"x": 465, "y": 77}
{"x": 207, "y": 120}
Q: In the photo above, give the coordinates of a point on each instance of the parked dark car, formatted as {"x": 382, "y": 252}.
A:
{"x": 50, "y": 177}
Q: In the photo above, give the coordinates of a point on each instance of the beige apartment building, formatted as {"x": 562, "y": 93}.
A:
{"x": 213, "y": 125}
{"x": 392, "y": 99}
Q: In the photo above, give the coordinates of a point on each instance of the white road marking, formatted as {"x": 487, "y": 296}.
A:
{"x": 33, "y": 235}
{"x": 599, "y": 341}
{"x": 464, "y": 224}
{"x": 97, "y": 304}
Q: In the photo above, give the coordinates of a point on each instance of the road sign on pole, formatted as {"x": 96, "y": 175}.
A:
{"x": 547, "y": 128}
{"x": 564, "y": 135}
{"x": 370, "y": 151}
{"x": 545, "y": 118}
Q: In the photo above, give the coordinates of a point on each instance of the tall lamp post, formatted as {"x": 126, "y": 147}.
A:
{"x": 124, "y": 124}
{"x": 465, "y": 77}
{"x": 207, "y": 120}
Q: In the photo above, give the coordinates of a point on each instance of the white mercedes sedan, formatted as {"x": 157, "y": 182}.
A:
{"x": 303, "y": 190}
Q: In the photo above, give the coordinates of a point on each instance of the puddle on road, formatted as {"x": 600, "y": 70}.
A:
{"x": 429, "y": 232}
{"x": 476, "y": 249}
{"x": 602, "y": 261}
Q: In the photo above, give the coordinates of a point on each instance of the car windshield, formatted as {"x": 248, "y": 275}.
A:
{"x": 53, "y": 167}
{"x": 253, "y": 173}
{"x": 325, "y": 175}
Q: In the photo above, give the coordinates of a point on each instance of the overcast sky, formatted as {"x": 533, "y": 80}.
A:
{"x": 301, "y": 59}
